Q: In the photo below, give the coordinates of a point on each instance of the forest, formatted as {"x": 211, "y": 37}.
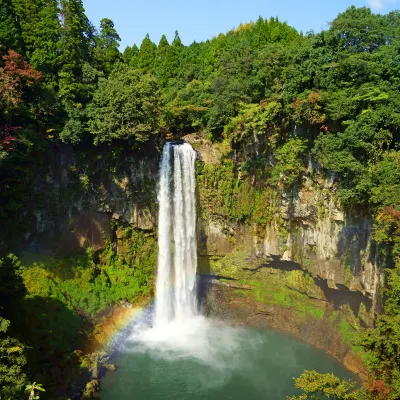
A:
{"x": 283, "y": 99}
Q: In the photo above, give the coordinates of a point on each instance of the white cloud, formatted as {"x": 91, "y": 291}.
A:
{"x": 379, "y": 4}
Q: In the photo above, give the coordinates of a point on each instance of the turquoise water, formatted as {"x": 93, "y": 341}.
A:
{"x": 209, "y": 361}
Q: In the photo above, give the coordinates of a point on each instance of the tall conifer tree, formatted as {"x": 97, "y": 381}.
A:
{"x": 161, "y": 60}
{"x": 147, "y": 55}
{"x": 46, "y": 56}
{"x": 134, "y": 56}
{"x": 10, "y": 32}
{"x": 27, "y": 16}
{"x": 107, "y": 44}
{"x": 76, "y": 45}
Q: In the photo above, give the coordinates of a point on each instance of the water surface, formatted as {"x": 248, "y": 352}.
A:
{"x": 204, "y": 360}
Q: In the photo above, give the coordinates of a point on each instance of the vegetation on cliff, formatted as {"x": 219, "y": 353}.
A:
{"x": 50, "y": 307}
{"x": 282, "y": 101}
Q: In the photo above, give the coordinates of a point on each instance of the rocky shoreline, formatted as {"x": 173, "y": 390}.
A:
{"x": 225, "y": 303}
{"x": 97, "y": 356}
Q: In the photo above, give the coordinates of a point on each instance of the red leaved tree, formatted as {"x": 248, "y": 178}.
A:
{"x": 378, "y": 389}
{"x": 15, "y": 76}
{"x": 8, "y": 136}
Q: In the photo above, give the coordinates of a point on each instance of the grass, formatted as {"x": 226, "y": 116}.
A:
{"x": 346, "y": 331}
{"x": 242, "y": 293}
{"x": 310, "y": 309}
{"x": 282, "y": 298}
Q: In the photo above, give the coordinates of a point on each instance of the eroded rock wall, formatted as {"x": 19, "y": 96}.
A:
{"x": 79, "y": 198}
{"x": 304, "y": 229}
{"x": 83, "y": 199}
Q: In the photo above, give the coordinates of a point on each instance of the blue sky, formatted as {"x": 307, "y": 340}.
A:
{"x": 202, "y": 19}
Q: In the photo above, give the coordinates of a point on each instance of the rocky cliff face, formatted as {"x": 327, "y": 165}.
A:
{"x": 79, "y": 199}
{"x": 304, "y": 230}
{"x": 83, "y": 200}
{"x": 288, "y": 259}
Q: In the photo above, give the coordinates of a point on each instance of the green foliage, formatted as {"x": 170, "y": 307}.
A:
{"x": 290, "y": 162}
{"x": 11, "y": 286}
{"x": 27, "y": 15}
{"x": 12, "y": 364}
{"x": 384, "y": 180}
{"x": 382, "y": 344}
{"x": 125, "y": 106}
{"x": 131, "y": 55}
{"x": 32, "y": 388}
{"x": 222, "y": 193}
{"x": 107, "y": 43}
{"x": 52, "y": 302}
{"x": 75, "y": 44}
{"x": 162, "y": 51}
{"x": 253, "y": 120}
{"x": 314, "y": 384}
{"x": 168, "y": 59}
{"x": 147, "y": 55}
{"x": 10, "y": 36}
{"x": 45, "y": 55}
{"x": 12, "y": 352}
{"x": 321, "y": 386}
{"x": 88, "y": 287}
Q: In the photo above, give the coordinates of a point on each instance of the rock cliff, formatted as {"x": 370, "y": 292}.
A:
{"x": 303, "y": 230}
{"x": 291, "y": 253}
{"x": 81, "y": 198}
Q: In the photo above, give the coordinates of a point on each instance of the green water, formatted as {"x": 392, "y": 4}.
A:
{"x": 208, "y": 361}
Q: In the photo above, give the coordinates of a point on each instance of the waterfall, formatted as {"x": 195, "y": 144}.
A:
{"x": 177, "y": 248}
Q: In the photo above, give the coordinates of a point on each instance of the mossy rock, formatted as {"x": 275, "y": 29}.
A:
{"x": 304, "y": 283}
{"x": 91, "y": 389}
{"x": 110, "y": 367}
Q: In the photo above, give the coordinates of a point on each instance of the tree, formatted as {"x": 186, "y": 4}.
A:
{"x": 173, "y": 55}
{"x": 75, "y": 129}
{"x": 75, "y": 46}
{"x": 162, "y": 48}
{"x": 12, "y": 351}
{"x": 126, "y": 106}
{"x": 358, "y": 30}
{"x": 12, "y": 364}
{"x": 290, "y": 162}
{"x": 314, "y": 385}
{"x": 161, "y": 58}
{"x": 134, "y": 60}
{"x": 11, "y": 285}
{"x": 27, "y": 15}
{"x": 46, "y": 56}
{"x": 32, "y": 388}
{"x": 107, "y": 44}
{"x": 147, "y": 55}
{"x": 10, "y": 32}
{"x": 15, "y": 76}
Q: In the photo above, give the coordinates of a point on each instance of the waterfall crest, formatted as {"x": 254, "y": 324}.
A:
{"x": 177, "y": 247}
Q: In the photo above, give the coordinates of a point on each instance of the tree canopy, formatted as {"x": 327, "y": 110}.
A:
{"x": 125, "y": 106}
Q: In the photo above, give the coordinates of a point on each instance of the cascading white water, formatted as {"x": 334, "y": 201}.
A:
{"x": 163, "y": 308}
{"x": 177, "y": 248}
